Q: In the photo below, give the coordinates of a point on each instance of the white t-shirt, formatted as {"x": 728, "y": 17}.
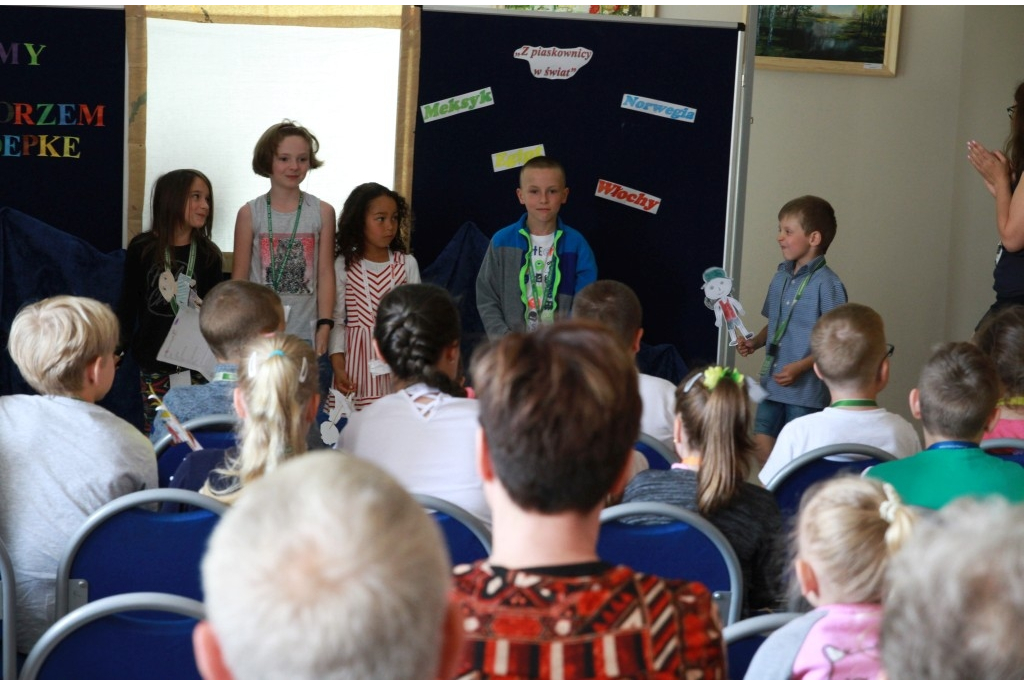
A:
{"x": 833, "y": 425}
{"x": 659, "y": 409}
{"x": 430, "y": 448}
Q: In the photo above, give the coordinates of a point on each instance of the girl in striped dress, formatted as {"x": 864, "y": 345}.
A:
{"x": 370, "y": 261}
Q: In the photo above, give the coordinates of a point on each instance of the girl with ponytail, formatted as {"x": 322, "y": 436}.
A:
{"x": 712, "y": 435}
{"x": 847, "y": 530}
{"x": 424, "y": 432}
{"x": 276, "y": 400}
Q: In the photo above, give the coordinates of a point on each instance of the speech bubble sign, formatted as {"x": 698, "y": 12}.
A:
{"x": 554, "y": 63}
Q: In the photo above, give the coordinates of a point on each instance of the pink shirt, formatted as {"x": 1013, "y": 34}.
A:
{"x": 843, "y": 645}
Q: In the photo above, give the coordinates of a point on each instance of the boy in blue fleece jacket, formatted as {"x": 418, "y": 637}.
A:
{"x": 534, "y": 268}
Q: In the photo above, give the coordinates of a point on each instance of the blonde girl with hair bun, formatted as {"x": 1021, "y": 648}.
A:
{"x": 712, "y": 433}
{"x": 847, "y": 530}
{"x": 276, "y": 400}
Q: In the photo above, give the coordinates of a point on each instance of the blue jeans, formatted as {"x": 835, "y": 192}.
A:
{"x": 772, "y": 416}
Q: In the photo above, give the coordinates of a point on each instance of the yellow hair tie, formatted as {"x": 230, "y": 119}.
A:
{"x": 713, "y": 375}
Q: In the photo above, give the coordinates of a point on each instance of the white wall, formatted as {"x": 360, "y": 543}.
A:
{"x": 916, "y": 231}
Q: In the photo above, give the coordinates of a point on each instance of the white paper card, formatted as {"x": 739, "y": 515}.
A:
{"x": 185, "y": 345}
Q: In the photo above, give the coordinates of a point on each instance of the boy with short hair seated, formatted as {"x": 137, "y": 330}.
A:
{"x": 559, "y": 411}
{"x": 956, "y": 402}
{"x": 62, "y": 457}
{"x": 852, "y": 358}
{"x": 616, "y": 306}
{"x": 233, "y": 313}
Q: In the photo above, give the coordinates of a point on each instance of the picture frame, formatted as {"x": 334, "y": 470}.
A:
{"x": 613, "y": 10}
{"x": 829, "y": 39}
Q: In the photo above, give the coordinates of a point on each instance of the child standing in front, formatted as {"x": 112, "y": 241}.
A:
{"x": 534, "y": 268}
{"x": 371, "y": 260}
{"x": 847, "y": 530}
{"x": 285, "y": 239}
{"x": 171, "y": 265}
{"x": 803, "y": 289}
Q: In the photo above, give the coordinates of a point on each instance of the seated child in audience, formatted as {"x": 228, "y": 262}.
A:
{"x": 233, "y": 313}
{"x": 712, "y": 429}
{"x": 559, "y": 411}
{"x": 62, "y": 457}
{"x": 423, "y": 433}
{"x": 955, "y": 598}
{"x": 616, "y": 306}
{"x": 956, "y": 402}
{"x": 851, "y": 356}
{"x": 533, "y": 268}
{"x": 846, "y": 531}
{"x": 327, "y": 570}
{"x": 276, "y": 400}
{"x": 1001, "y": 337}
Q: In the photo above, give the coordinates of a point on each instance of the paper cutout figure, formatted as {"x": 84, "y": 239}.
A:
{"x": 338, "y": 407}
{"x": 718, "y": 296}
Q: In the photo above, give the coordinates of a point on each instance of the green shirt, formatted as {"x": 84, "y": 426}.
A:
{"x": 934, "y": 478}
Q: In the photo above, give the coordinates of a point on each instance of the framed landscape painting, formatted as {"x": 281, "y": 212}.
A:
{"x": 836, "y": 39}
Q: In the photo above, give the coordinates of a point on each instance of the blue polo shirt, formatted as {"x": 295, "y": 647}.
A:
{"x": 823, "y": 292}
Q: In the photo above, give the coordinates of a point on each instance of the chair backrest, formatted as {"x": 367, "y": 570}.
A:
{"x": 689, "y": 547}
{"x": 745, "y": 637}
{"x": 1010, "y": 449}
{"x": 792, "y": 481}
{"x": 124, "y": 547}
{"x": 467, "y": 537}
{"x": 213, "y": 431}
{"x": 658, "y": 455}
{"x": 102, "y": 642}
{"x": 8, "y": 633}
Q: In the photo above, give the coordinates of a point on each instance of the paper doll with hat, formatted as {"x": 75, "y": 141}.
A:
{"x": 718, "y": 296}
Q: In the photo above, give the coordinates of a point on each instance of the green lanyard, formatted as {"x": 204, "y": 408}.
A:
{"x": 188, "y": 270}
{"x": 542, "y": 299}
{"x": 275, "y": 274}
{"x": 780, "y": 330}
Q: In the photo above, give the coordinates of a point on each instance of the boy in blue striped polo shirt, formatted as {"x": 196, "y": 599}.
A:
{"x": 803, "y": 289}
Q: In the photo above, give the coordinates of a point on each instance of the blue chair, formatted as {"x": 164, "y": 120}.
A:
{"x": 8, "y": 633}
{"x": 688, "y": 547}
{"x": 214, "y": 431}
{"x": 792, "y": 481}
{"x": 1010, "y": 449}
{"x": 123, "y": 547}
{"x": 744, "y": 638}
{"x": 467, "y": 537}
{"x": 101, "y": 641}
{"x": 657, "y": 454}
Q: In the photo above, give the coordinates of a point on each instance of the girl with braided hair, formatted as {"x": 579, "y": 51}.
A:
{"x": 424, "y": 432}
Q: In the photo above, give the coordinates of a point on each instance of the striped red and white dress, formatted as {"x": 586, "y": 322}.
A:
{"x": 367, "y": 283}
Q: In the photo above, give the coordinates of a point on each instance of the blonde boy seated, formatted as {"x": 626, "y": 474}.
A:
{"x": 852, "y": 358}
{"x": 62, "y": 457}
{"x": 233, "y": 313}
